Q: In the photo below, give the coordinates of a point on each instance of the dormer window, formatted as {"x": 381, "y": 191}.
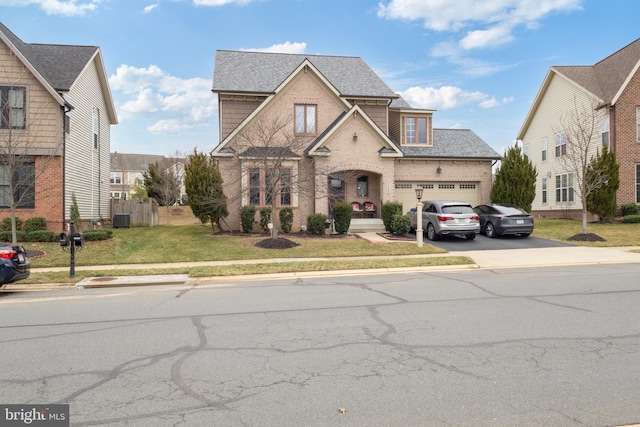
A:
{"x": 417, "y": 130}
{"x": 305, "y": 119}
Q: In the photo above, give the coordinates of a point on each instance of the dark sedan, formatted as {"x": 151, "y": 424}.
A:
{"x": 14, "y": 264}
{"x": 498, "y": 220}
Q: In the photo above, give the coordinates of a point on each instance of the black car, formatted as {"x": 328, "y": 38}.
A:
{"x": 498, "y": 220}
{"x": 14, "y": 264}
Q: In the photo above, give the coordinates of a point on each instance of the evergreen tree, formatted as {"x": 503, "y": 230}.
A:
{"x": 602, "y": 200}
{"x": 152, "y": 180}
{"x": 515, "y": 180}
{"x": 203, "y": 184}
{"x": 74, "y": 212}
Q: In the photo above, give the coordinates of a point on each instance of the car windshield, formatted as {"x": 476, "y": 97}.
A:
{"x": 457, "y": 209}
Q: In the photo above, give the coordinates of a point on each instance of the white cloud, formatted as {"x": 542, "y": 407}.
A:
{"x": 149, "y": 8}
{"x": 448, "y": 97}
{"x": 286, "y": 47}
{"x": 174, "y": 103}
{"x": 443, "y": 98}
{"x": 57, "y": 7}
{"x": 488, "y": 23}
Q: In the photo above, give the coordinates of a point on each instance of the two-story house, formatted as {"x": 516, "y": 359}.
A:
{"x": 613, "y": 85}
{"x": 336, "y": 132}
{"x": 127, "y": 171}
{"x": 57, "y": 112}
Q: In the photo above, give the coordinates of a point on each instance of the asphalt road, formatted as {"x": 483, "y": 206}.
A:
{"x": 553, "y": 346}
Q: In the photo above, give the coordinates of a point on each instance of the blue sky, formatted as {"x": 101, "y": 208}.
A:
{"x": 478, "y": 63}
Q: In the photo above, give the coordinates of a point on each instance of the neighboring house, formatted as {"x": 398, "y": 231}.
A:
{"x": 614, "y": 83}
{"x": 59, "y": 99}
{"x": 361, "y": 142}
{"x": 127, "y": 172}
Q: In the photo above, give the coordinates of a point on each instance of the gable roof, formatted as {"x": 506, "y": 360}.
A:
{"x": 259, "y": 72}
{"x": 608, "y": 77}
{"x": 605, "y": 80}
{"x": 59, "y": 66}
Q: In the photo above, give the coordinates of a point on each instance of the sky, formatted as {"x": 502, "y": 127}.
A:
{"x": 479, "y": 63}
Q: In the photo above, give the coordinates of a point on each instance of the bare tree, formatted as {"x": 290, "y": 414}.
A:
{"x": 579, "y": 133}
{"x": 26, "y": 150}
{"x": 271, "y": 151}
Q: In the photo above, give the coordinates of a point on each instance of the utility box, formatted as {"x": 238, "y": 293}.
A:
{"x": 121, "y": 220}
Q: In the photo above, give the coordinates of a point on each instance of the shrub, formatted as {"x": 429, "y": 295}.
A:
{"x": 42, "y": 236}
{"x": 95, "y": 235}
{"x": 631, "y": 219}
{"x": 265, "y": 219}
{"x": 400, "y": 224}
{"x": 342, "y": 213}
{"x": 316, "y": 222}
{"x": 74, "y": 211}
{"x": 35, "y": 224}
{"x": 247, "y": 217}
{"x": 390, "y": 209}
{"x": 6, "y": 224}
{"x": 629, "y": 209}
{"x": 5, "y": 236}
{"x": 286, "y": 219}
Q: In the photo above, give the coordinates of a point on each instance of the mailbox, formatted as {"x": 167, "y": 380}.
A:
{"x": 78, "y": 239}
{"x": 63, "y": 240}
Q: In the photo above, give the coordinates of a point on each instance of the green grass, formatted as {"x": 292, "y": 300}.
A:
{"x": 563, "y": 229}
{"x": 175, "y": 244}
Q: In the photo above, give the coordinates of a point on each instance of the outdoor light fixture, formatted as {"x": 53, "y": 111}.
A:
{"x": 355, "y": 137}
{"x": 419, "y": 236}
{"x": 439, "y": 170}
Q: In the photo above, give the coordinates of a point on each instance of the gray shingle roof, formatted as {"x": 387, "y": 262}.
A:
{"x": 60, "y": 65}
{"x": 453, "y": 143}
{"x": 605, "y": 78}
{"x": 258, "y": 72}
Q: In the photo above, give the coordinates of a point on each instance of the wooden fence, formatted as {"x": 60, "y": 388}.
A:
{"x": 141, "y": 212}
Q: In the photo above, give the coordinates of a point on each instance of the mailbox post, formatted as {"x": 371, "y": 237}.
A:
{"x": 419, "y": 235}
{"x": 72, "y": 241}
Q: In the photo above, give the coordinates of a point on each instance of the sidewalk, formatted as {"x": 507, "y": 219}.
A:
{"x": 508, "y": 258}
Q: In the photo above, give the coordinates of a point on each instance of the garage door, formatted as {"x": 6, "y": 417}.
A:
{"x": 465, "y": 191}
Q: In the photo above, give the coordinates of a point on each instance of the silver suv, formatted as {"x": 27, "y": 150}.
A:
{"x": 447, "y": 218}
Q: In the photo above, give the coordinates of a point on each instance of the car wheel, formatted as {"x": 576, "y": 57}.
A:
{"x": 489, "y": 230}
{"x": 470, "y": 236}
{"x": 431, "y": 232}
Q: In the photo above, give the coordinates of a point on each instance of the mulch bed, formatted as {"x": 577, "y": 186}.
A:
{"x": 390, "y": 236}
{"x": 587, "y": 237}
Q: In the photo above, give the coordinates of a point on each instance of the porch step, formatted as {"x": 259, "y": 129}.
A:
{"x": 366, "y": 225}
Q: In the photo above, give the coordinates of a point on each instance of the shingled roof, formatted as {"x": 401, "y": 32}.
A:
{"x": 605, "y": 78}
{"x": 453, "y": 143}
{"x": 259, "y": 72}
{"x": 60, "y": 65}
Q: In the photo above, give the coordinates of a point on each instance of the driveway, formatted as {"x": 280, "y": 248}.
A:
{"x": 481, "y": 242}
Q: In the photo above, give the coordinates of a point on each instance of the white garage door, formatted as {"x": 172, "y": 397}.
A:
{"x": 465, "y": 191}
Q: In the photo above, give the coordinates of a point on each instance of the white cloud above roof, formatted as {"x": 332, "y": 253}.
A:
{"x": 486, "y": 23}
{"x": 57, "y": 7}
{"x": 286, "y": 47}
{"x": 172, "y": 103}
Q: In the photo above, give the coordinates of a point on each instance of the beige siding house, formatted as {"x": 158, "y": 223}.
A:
{"x": 64, "y": 132}
{"x": 339, "y": 133}
{"x": 613, "y": 85}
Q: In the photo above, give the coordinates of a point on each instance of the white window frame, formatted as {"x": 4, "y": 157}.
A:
{"x": 565, "y": 188}
{"x": 114, "y": 176}
{"x": 543, "y": 151}
{"x": 561, "y": 144}
{"x": 605, "y": 131}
